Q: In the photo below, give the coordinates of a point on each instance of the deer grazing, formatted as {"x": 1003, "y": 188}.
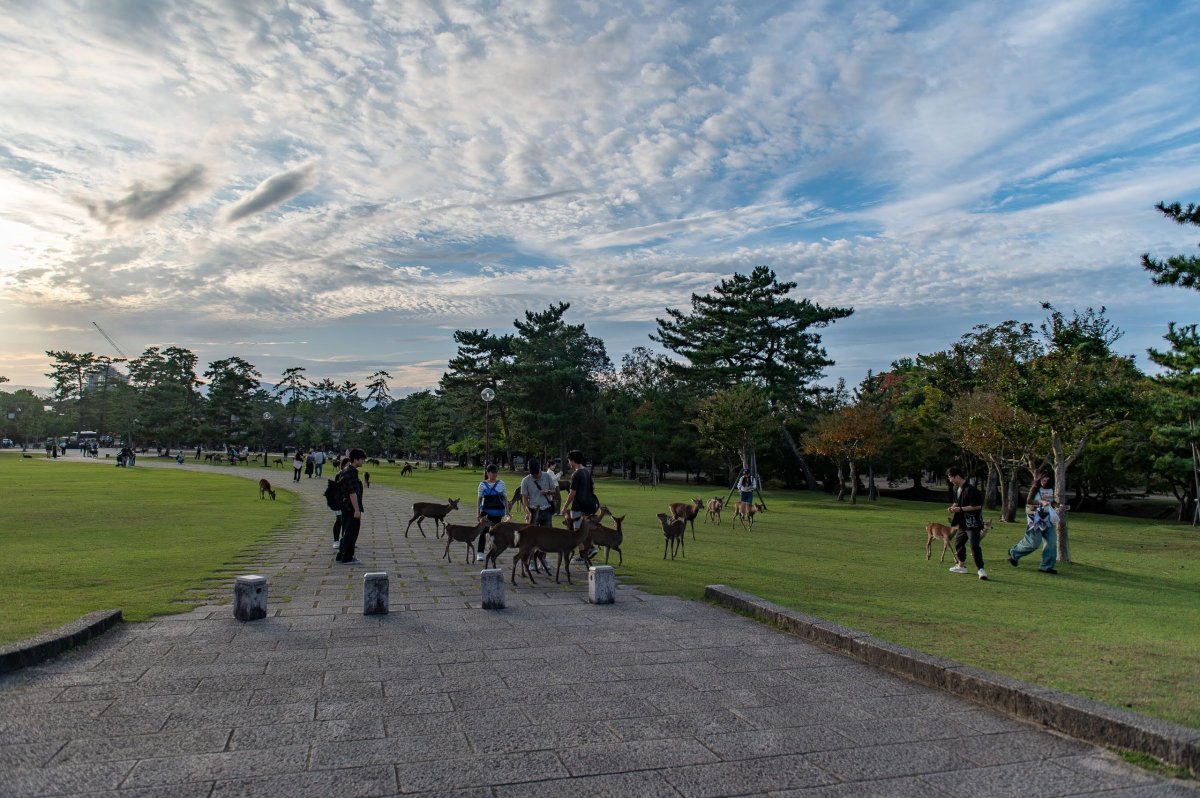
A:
{"x": 713, "y": 510}
{"x": 934, "y": 530}
{"x": 599, "y": 535}
{"x": 264, "y": 487}
{"x": 407, "y": 470}
{"x": 647, "y": 482}
{"x": 438, "y": 512}
{"x": 562, "y": 542}
{"x": 687, "y": 511}
{"x": 462, "y": 533}
{"x": 745, "y": 512}
{"x": 673, "y": 529}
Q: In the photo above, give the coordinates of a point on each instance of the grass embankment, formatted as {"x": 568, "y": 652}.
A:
{"x": 79, "y": 537}
{"x": 1120, "y": 625}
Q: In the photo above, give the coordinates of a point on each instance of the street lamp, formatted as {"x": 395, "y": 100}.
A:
{"x": 266, "y": 418}
{"x": 487, "y": 395}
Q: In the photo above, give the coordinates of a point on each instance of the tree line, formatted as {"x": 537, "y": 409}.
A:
{"x": 736, "y": 385}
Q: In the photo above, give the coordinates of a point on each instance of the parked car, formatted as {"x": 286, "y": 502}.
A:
{"x": 6, "y": 443}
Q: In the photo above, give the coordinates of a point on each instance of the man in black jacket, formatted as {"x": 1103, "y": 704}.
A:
{"x": 352, "y": 506}
{"x": 967, "y": 510}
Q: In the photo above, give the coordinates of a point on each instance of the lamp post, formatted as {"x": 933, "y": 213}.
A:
{"x": 487, "y": 395}
{"x": 266, "y": 418}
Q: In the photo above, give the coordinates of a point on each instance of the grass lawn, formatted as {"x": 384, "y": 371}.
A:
{"x": 1121, "y": 624}
{"x": 78, "y": 537}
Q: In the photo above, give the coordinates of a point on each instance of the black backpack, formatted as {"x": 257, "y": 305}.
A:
{"x": 335, "y": 492}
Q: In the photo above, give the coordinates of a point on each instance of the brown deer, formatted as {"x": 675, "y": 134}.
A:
{"x": 504, "y": 537}
{"x": 407, "y": 470}
{"x": 264, "y": 487}
{"x": 673, "y": 529}
{"x": 745, "y": 512}
{"x": 713, "y": 510}
{"x": 277, "y": 462}
{"x": 603, "y": 536}
{"x": 438, "y": 512}
{"x": 687, "y": 511}
{"x": 934, "y": 530}
{"x": 465, "y": 534}
{"x": 562, "y": 542}
{"x": 647, "y": 482}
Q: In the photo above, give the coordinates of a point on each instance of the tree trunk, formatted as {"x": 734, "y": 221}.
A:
{"x": 916, "y": 478}
{"x": 841, "y": 479}
{"x": 872, "y": 491}
{"x": 810, "y": 481}
{"x": 853, "y": 483}
{"x": 1062, "y": 461}
{"x": 1009, "y": 513}
{"x": 990, "y": 493}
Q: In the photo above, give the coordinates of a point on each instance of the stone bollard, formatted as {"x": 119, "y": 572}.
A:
{"x": 375, "y": 593}
{"x": 602, "y": 584}
{"x": 492, "y": 582}
{"x": 250, "y": 597}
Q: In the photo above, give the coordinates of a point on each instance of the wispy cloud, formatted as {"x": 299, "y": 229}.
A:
{"x": 143, "y": 203}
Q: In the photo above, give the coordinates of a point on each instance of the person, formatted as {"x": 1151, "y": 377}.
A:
{"x": 318, "y": 461}
{"x": 179, "y": 457}
{"x": 1040, "y": 530}
{"x": 340, "y": 464}
{"x": 493, "y": 502}
{"x": 746, "y": 485}
{"x": 352, "y": 506}
{"x": 297, "y": 465}
{"x": 538, "y": 490}
{"x": 581, "y": 499}
{"x": 309, "y": 464}
{"x": 197, "y": 457}
{"x": 967, "y": 511}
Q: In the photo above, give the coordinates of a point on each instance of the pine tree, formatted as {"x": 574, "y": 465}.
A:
{"x": 1181, "y": 270}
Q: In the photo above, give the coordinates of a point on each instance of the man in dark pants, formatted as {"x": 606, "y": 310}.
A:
{"x": 967, "y": 510}
{"x": 352, "y": 506}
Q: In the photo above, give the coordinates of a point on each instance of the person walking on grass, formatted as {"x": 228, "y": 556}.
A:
{"x": 967, "y": 512}
{"x": 493, "y": 502}
{"x": 1041, "y": 526}
{"x": 352, "y": 506}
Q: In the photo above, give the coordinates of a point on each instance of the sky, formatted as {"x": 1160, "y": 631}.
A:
{"x": 340, "y": 185}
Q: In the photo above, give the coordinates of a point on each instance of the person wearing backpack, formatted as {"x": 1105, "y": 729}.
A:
{"x": 493, "y": 501}
{"x": 352, "y": 506}
{"x": 581, "y": 500}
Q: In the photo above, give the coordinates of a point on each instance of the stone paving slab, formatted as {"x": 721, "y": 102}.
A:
{"x": 552, "y": 696}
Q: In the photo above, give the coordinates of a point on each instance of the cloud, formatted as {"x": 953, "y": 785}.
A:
{"x": 143, "y": 203}
{"x": 274, "y": 190}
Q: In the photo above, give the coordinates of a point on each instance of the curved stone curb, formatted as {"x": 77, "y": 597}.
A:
{"x": 1073, "y": 715}
{"x": 44, "y": 646}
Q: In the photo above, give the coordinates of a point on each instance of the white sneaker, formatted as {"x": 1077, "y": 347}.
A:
{"x": 983, "y": 574}
{"x": 337, "y": 544}
{"x": 959, "y": 569}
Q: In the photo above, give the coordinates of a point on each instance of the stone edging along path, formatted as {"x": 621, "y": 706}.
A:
{"x": 1070, "y": 714}
{"x": 50, "y": 644}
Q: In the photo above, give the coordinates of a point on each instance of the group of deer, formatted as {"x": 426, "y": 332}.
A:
{"x": 683, "y": 513}
{"x": 531, "y": 541}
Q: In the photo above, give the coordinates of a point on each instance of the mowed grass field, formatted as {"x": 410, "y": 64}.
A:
{"x": 78, "y": 537}
{"x": 1121, "y": 624}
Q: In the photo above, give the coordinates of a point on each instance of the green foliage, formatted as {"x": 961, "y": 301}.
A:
{"x": 1181, "y": 270}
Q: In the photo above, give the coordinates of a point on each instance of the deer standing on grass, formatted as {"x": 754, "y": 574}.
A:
{"x": 672, "y": 534}
{"x": 264, "y": 487}
{"x": 745, "y": 512}
{"x": 713, "y": 510}
{"x": 936, "y": 531}
{"x": 687, "y": 512}
{"x": 438, "y": 512}
{"x": 462, "y": 533}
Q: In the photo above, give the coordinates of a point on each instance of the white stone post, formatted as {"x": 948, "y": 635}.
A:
{"x": 491, "y": 580}
{"x": 602, "y": 584}
{"x": 375, "y": 593}
{"x": 250, "y": 597}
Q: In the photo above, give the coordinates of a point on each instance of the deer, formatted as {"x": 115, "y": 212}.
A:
{"x": 407, "y": 470}
{"x": 946, "y": 534}
{"x": 673, "y": 529}
{"x": 438, "y": 512}
{"x": 278, "y": 461}
{"x": 551, "y": 541}
{"x": 687, "y": 511}
{"x": 504, "y": 537}
{"x": 264, "y": 487}
{"x": 462, "y": 533}
{"x": 745, "y": 512}
{"x": 208, "y": 456}
{"x": 713, "y": 510}
{"x": 603, "y": 536}
{"x": 647, "y": 482}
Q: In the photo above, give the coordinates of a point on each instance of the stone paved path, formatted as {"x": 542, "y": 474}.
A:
{"x": 553, "y": 696}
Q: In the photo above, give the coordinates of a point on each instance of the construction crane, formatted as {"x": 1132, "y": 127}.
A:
{"x": 108, "y": 338}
